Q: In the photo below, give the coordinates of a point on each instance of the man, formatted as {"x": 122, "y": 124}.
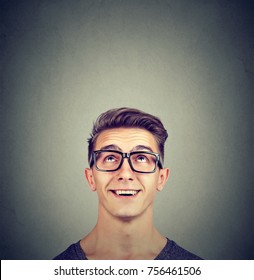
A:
{"x": 126, "y": 152}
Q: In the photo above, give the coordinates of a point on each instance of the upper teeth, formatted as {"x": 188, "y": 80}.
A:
{"x": 131, "y": 192}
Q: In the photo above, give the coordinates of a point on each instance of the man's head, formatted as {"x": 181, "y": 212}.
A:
{"x": 127, "y": 118}
{"x": 125, "y": 168}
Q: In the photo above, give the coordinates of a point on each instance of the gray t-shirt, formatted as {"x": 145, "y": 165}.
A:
{"x": 171, "y": 251}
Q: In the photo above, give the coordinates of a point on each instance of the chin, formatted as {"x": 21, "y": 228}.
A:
{"x": 126, "y": 216}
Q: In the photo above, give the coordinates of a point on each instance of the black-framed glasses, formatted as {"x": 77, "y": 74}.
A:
{"x": 139, "y": 161}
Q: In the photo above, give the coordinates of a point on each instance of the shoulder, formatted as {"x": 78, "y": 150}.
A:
{"x": 173, "y": 251}
{"x": 73, "y": 252}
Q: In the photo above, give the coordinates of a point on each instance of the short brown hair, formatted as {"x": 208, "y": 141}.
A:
{"x": 128, "y": 118}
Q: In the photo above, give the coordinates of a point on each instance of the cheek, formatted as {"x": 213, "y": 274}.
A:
{"x": 149, "y": 182}
{"x": 102, "y": 179}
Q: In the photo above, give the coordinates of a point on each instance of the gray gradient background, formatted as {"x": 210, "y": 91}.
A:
{"x": 188, "y": 62}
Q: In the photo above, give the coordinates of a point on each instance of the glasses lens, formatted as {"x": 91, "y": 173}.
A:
{"x": 143, "y": 162}
{"x": 108, "y": 160}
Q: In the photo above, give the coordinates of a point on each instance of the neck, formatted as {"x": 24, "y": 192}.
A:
{"x": 123, "y": 238}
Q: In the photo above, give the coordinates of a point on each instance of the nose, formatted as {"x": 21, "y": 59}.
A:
{"x": 125, "y": 172}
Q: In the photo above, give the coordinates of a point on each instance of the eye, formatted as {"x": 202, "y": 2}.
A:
{"x": 141, "y": 158}
{"x": 110, "y": 158}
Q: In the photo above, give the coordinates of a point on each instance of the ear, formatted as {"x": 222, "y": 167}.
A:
{"x": 90, "y": 179}
{"x": 163, "y": 177}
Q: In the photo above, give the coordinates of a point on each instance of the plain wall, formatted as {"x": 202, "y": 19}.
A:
{"x": 188, "y": 62}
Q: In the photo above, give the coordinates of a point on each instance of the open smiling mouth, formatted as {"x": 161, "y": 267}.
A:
{"x": 125, "y": 192}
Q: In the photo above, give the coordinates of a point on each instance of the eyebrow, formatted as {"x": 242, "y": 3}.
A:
{"x": 137, "y": 148}
{"x": 111, "y": 147}
{"x": 141, "y": 148}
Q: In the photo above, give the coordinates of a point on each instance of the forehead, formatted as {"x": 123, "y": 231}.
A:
{"x": 126, "y": 139}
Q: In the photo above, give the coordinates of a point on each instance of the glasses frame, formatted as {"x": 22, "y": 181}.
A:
{"x": 127, "y": 155}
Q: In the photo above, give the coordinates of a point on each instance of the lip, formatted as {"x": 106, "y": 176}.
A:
{"x": 125, "y": 193}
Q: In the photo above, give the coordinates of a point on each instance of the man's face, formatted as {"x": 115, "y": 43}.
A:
{"x": 111, "y": 186}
